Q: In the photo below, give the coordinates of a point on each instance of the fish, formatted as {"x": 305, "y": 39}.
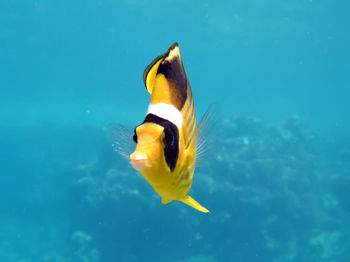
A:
{"x": 168, "y": 141}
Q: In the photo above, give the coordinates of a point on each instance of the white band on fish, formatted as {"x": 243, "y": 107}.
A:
{"x": 166, "y": 111}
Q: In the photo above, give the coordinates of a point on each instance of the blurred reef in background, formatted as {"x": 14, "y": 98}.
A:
{"x": 273, "y": 192}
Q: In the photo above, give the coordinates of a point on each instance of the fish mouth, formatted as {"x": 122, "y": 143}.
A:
{"x": 139, "y": 161}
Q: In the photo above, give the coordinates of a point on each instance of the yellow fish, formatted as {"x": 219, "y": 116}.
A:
{"x": 168, "y": 142}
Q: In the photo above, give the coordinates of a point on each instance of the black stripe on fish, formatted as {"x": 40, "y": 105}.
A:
{"x": 171, "y": 139}
{"x": 174, "y": 71}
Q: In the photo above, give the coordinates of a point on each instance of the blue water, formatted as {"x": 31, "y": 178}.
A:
{"x": 278, "y": 184}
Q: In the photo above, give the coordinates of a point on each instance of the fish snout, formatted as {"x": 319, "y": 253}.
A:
{"x": 139, "y": 161}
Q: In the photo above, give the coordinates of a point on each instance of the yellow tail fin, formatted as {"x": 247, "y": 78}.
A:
{"x": 193, "y": 203}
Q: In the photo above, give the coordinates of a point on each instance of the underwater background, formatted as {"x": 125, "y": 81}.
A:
{"x": 278, "y": 182}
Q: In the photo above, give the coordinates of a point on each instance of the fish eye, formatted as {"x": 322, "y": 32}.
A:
{"x": 135, "y": 136}
{"x": 171, "y": 148}
{"x": 168, "y": 137}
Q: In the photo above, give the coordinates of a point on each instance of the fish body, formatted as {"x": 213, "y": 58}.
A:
{"x": 167, "y": 140}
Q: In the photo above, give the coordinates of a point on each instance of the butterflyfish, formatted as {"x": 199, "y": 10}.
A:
{"x": 168, "y": 141}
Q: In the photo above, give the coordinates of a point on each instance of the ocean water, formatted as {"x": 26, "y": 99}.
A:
{"x": 278, "y": 182}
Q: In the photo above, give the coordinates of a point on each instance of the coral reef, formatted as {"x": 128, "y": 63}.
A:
{"x": 267, "y": 191}
{"x": 273, "y": 192}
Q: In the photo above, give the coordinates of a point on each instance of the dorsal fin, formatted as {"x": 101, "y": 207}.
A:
{"x": 171, "y": 82}
{"x": 150, "y": 73}
{"x": 165, "y": 78}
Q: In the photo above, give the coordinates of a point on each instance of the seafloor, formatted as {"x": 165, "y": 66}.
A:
{"x": 276, "y": 193}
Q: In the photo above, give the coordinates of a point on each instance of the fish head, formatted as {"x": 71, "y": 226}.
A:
{"x": 149, "y": 147}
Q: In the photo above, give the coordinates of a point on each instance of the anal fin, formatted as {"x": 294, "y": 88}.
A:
{"x": 193, "y": 203}
{"x": 166, "y": 201}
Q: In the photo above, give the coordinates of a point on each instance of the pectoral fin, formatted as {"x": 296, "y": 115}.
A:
{"x": 193, "y": 203}
{"x": 121, "y": 139}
